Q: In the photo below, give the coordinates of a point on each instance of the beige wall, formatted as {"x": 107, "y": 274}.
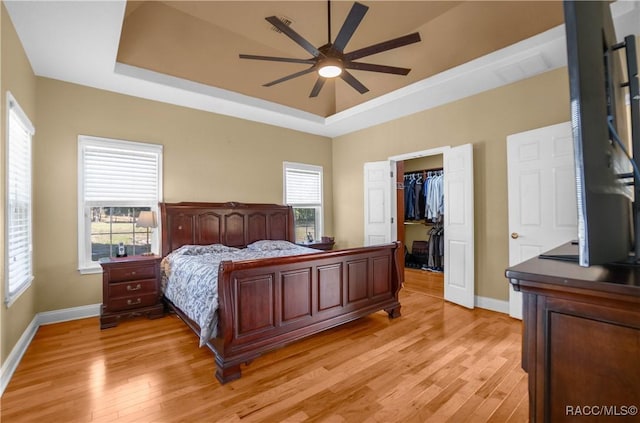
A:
{"x": 17, "y": 77}
{"x": 207, "y": 157}
{"x": 483, "y": 120}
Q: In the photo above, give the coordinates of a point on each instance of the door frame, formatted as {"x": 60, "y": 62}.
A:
{"x": 399, "y": 219}
{"x": 464, "y": 300}
{"x": 419, "y": 154}
{"x": 401, "y": 158}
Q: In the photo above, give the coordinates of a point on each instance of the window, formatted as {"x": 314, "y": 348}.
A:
{"x": 19, "y": 236}
{"x": 303, "y": 191}
{"x": 116, "y": 181}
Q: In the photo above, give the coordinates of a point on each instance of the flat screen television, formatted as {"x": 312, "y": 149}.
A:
{"x": 603, "y": 80}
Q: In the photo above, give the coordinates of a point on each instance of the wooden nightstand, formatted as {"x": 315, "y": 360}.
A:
{"x": 318, "y": 245}
{"x": 130, "y": 288}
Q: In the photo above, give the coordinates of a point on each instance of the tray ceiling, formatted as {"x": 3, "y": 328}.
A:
{"x": 186, "y": 53}
{"x": 200, "y": 42}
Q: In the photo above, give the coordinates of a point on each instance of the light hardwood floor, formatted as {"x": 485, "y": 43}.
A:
{"x": 425, "y": 282}
{"x": 438, "y": 362}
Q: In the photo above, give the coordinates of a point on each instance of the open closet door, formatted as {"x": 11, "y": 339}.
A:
{"x": 459, "y": 271}
{"x": 379, "y": 179}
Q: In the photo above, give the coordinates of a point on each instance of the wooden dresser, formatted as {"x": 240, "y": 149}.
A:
{"x": 130, "y": 288}
{"x": 581, "y": 340}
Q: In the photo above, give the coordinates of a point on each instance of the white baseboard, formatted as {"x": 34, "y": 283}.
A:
{"x": 492, "y": 304}
{"x": 48, "y": 317}
{"x": 64, "y": 315}
{"x": 11, "y": 363}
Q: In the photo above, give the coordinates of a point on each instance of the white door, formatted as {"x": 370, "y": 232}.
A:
{"x": 542, "y": 196}
{"x": 459, "y": 270}
{"x": 378, "y": 203}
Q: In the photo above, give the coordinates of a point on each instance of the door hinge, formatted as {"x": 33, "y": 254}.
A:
{"x": 391, "y": 174}
{"x": 392, "y": 220}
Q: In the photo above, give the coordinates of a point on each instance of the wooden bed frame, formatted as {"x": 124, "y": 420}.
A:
{"x": 266, "y": 304}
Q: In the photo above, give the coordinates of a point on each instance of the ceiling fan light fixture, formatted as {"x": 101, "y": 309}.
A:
{"x": 330, "y": 68}
{"x": 330, "y": 60}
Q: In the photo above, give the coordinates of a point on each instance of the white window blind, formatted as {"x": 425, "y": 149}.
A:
{"x": 303, "y": 185}
{"x": 114, "y": 173}
{"x": 19, "y": 202}
{"x": 117, "y": 175}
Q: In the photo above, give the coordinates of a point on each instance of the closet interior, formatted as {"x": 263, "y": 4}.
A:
{"x": 423, "y": 213}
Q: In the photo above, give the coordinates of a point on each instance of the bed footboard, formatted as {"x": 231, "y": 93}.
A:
{"x": 266, "y": 307}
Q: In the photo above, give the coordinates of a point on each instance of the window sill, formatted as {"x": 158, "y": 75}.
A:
{"x": 90, "y": 270}
{"x": 13, "y": 298}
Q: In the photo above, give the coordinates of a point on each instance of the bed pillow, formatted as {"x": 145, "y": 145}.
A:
{"x": 196, "y": 250}
{"x": 271, "y": 245}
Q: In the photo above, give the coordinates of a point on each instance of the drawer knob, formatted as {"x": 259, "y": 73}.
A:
{"x": 133, "y": 288}
{"x": 137, "y": 301}
{"x": 133, "y": 272}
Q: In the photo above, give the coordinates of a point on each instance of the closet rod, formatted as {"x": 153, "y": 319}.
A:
{"x": 435, "y": 169}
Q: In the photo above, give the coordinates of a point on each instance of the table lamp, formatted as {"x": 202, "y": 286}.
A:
{"x": 147, "y": 219}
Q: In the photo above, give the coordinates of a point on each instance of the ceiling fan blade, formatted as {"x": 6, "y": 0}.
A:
{"x": 383, "y": 46}
{"x": 317, "y": 86}
{"x": 288, "y": 77}
{"x": 377, "y": 68}
{"x": 297, "y": 38}
{"x": 278, "y": 59}
{"x": 351, "y": 80}
{"x": 349, "y": 26}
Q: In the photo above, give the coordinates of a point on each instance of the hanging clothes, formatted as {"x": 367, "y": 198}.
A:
{"x": 435, "y": 260}
{"x": 417, "y": 189}
{"x": 424, "y": 199}
{"x": 409, "y": 197}
{"x": 434, "y": 196}
{"x": 423, "y": 195}
{"x": 425, "y": 191}
{"x": 414, "y": 202}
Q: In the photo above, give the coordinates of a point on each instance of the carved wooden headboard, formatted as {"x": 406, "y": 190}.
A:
{"x": 232, "y": 224}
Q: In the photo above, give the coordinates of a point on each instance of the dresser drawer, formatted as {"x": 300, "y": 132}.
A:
{"x": 132, "y": 288}
{"x": 132, "y": 301}
{"x": 130, "y": 273}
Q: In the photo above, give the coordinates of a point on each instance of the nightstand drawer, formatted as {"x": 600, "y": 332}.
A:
{"x": 130, "y": 273}
{"x": 132, "y": 288}
{"x": 133, "y": 301}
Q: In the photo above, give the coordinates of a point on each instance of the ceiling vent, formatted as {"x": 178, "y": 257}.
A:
{"x": 285, "y": 21}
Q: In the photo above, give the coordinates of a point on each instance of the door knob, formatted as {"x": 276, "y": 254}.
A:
{"x": 514, "y": 235}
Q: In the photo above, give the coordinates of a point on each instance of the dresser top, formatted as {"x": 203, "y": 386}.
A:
{"x": 611, "y": 278}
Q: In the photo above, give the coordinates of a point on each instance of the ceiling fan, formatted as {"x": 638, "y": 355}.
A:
{"x": 330, "y": 60}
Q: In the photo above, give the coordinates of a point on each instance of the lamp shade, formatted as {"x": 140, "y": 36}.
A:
{"x": 146, "y": 219}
